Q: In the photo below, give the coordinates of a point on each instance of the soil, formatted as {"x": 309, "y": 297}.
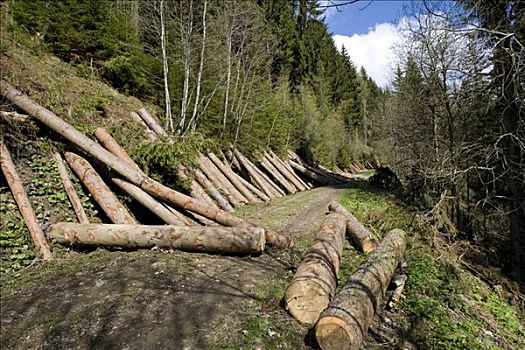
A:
{"x": 152, "y": 299}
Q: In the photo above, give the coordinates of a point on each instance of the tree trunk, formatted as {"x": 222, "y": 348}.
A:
{"x": 182, "y": 217}
{"x": 212, "y": 191}
{"x": 315, "y": 280}
{"x": 263, "y": 186}
{"x": 165, "y": 68}
{"x": 111, "y": 145}
{"x": 151, "y": 122}
{"x": 277, "y": 190}
{"x": 20, "y": 196}
{"x": 70, "y": 190}
{"x": 109, "y": 203}
{"x": 361, "y": 236}
{"x": 188, "y": 238}
{"x": 215, "y": 175}
{"x": 150, "y": 134}
{"x": 148, "y": 201}
{"x": 149, "y": 185}
{"x": 196, "y": 190}
{"x": 232, "y": 177}
{"x": 345, "y": 322}
{"x": 193, "y": 120}
{"x": 284, "y": 171}
{"x": 248, "y": 185}
{"x": 276, "y": 175}
{"x": 290, "y": 169}
{"x": 322, "y": 180}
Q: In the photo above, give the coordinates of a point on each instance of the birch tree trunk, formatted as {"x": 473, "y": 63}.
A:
{"x": 344, "y": 323}
{"x": 193, "y": 121}
{"x": 20, "y": 196}
{"x": 315, "y": 280}
{"x": 70, "y": 191}
{"x": 189, "y": 238}
{"x": 109, "y": 203}
{"x": 186, "y": 40}
{"x": 165, "y": 67}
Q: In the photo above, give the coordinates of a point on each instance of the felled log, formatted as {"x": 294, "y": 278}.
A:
{"x": 290, "y": 169}
{"x": 269, "y": 184}
{"x": 188, "y": 238}
{"x": 253, "y": 189}
{"x": 220, "y": 181}
{"x": 111, "y": 145}
{"x": 212, "y": 191}
{"x": 196, "y": 190}
{"x": 273, "y": 185}
{"x": 150, "y": 134}
{"x": 148, "y": 201}
{"x": 360, "y": 235}
{"x": 151, "y": 122}
{"x": 399, "y": 282}
{"x": 345, "y": 322}
{"x": 263, "y": 186}
{"x": 21, "y": 199}
{"x": 315, "y": 280}
{"x": 322, "y": 180}
{"x": 284, "y": 171}
{"x": 277, "y": 175}
{"x": 232, "y": 177}
{"x": 149, "y": 185}
{"x": 109, "y": 203}
{"x": 70, "y": 191}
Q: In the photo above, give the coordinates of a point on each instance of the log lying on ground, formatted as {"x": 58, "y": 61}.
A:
{"x": 151, "y": 122}
{"x": 149, "y": 185}
{"x": 220, "y": 181}
{"x": 212, "y": 191}
{"x": 250, "y": 169}
{"x": 188, "y": 238}
{"x": 21, "y": 199}
{"x": 276, "y": 162}
{"x": 276, "y": 190}
{"x": 253, "y": 189}
{"x": 360, "y": 235}
{"x": 322, "y": 180}
{"x": 150, "y": 134}
{"x": 148, "y": 201}
{"x": 196, "y": 190}
{"x": 232, "y": 177}
{"x": 70, "y": 191}
{"x": 344, "y": 323}
{"x": 399, "y": 282}
{"x": 265, "y": 163}
{"x": 315, "y": 280}
{"x": 111, "y": 145}
{"x": 290, "y": 169}
{"x": 109, "y": 203}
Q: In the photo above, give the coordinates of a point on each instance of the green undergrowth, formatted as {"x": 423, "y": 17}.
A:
{"x": 444, "y": 306}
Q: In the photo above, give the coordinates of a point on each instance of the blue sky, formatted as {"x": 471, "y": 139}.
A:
{"x": 369, "y": 31}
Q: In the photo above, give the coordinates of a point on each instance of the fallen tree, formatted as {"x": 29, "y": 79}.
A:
{"x": 188, "y": 238}
{"x": 151, "y": 122}
{"x": 150, "y": 134}
{"x": 111, "y": 145}
{"x": 114, "y": 210}
{"x": 96, "y": 151}
{"x": 21, "y": 199}
{"x": 70, "y": 190}
{"x": 360, "y": 235}
{"x": 315, "y": 280}
{"x": 344, "y": 323}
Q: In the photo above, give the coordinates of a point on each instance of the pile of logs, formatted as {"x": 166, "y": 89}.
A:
{"x": 218, "y": 185}
{"x": 341, "y": 320}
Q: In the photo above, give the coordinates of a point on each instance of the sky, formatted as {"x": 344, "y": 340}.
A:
{"x": 368, "y": 30}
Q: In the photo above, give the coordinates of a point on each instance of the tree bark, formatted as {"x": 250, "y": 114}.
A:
{"x": 150, "y": 134}
{"x": 322, "y": 180}
{"x": 212, "y": 191}
{"x": 20, "y": 196}
{"x": 249, "y": 186}
{"x": 70, "y": 190}
{"x": 290, "y": 169}
{"x": 188, "y": 221}
{"x": 149, "y": 185}
{"x": 284, "y": 171}
{"x": 277, "y": 190}
{"x": 111, "y": 145}
{"x": 361, "y": 236}
{"x": 188, "y": 238}
{"x": 232, "y": 177}
{"x": 109, "y": 203}
{"x": 196, "y": 190}
{"x": 193, "y": 120}
{"x": 277, "y": 176}
{"x": 215, "y": 175}
{"x": 151, "y": 122}
{"x": 344, "y": 323}
{"x": 315, "y": 280}
{"x": 148, "y": 201}
{"x": 165, "y": 67}
{"x": 263, "y": 186}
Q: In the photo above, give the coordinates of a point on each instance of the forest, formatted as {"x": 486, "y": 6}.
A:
{"x": 446, "y": 137}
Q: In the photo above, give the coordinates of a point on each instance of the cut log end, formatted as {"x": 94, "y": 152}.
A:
{"x": 333, "y": 333}
{"x": 305, "y": 299}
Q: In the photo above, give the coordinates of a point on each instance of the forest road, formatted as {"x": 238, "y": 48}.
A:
{"x": 152, "y": 299}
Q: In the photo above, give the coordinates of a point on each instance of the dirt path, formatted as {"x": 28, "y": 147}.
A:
{"x": 166, "y": 300}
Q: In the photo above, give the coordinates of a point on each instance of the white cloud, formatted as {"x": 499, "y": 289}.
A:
{"x": 374, "y": 50}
